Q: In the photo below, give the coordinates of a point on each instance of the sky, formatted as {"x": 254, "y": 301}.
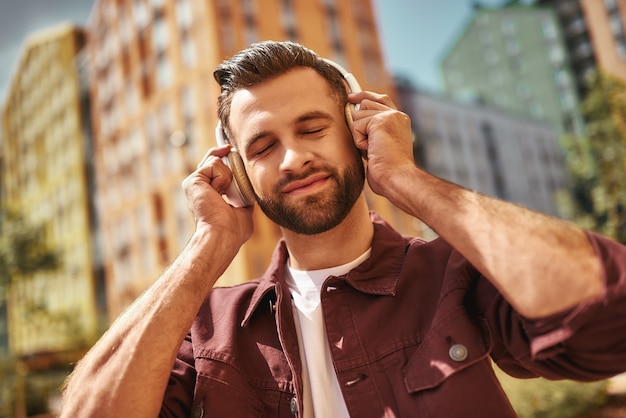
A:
{"x": 414, "y": 33}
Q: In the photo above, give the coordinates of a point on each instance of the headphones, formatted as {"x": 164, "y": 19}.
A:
{"x": 240, "y": 193}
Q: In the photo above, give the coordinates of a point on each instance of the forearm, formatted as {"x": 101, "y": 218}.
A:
{"x": 128, "y": 369}
{"x": 540, "y": 264}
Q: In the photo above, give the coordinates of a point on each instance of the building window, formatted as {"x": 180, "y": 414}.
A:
{"x": 491, "y": 57}
{"x": 562, "y": 78}
{"x": 487, "y": 37}
{"x": 161, "y": 34}
{"x": 334, "y": 27}
{"x": 188, "y": 50}
{"x": 536, "y": 110}
{"x": 615, "y": 22}
{"x": 184, "y": 15}
{"x": 513, "y": 47}
{"x": 621, "y": 47}
{"x": 140, "y": 12}
{"x": 159, "y": 214}
{"x": 582, "y": 50}
{"x": 576, "y": 27}
{"x": 493, "y": 158}
{"x": 567, "y": 100}
{"x": 508, "y": 26}
{"x": 556, "y": 54}
{"x": 548, "y": 29}
{"x": 181, "y": 211}
{"x": 289, "y": 19}
{"x": 164, "y": 70}
{"x": 497, "y": 78}
{"x": 227, "y": 33}
{"x": 188, "y": 105}
{"x": 617, "y": 27}
{"x": 154, "y": 149}
{"x": 611, "y": 6}
{"x": 249, "y": 13}
{"x": 523, "y": 91}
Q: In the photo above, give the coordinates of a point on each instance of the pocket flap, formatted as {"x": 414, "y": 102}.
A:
{"x": 452, "y": 345}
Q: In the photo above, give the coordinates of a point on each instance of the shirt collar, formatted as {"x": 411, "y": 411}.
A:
{"x": 378, "y": 275}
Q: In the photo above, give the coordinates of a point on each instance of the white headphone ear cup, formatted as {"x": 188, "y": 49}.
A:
{"x": 241, "y": 178}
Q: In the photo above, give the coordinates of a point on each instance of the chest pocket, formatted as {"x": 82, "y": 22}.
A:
{"x": 450, "y": 374}
{"x": 224, "y": 391}
{"x": 454, "y": 344}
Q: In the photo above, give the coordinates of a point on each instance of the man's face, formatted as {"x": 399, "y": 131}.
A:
{"x": 298, "y": 151}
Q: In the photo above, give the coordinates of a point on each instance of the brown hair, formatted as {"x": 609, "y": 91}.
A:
{"x": 263, "y": 61}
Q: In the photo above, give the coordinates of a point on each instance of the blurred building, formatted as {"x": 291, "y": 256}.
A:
{"x": 514, "y": 58}
{"x": 154, "y": 98}
{"x": 53, "y": 317}
{"x": 594, "y": 34}
{"x": 513, "y": 158}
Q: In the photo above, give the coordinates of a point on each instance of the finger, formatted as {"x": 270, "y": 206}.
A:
{"x": 359, "y": 134}
{"x": 358, "y": 98}
{"x": 370, "y": 110}
{"x": 216, "y": 173}
{"x": 220, "y": 151}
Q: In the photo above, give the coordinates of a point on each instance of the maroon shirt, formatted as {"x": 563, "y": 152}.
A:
{"x": 412, "y": 331}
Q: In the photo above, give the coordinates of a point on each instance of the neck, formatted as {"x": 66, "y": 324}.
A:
{"x": 340, "y": 245}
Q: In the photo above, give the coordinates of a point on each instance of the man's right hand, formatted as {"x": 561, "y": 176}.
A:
{"x": 204, "y": 188}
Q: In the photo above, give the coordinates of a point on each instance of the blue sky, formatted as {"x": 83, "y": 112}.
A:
{"x": 414, "y": 33}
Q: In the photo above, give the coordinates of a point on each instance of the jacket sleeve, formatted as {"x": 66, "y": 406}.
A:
{"x": 587, "y": 342}
{"x": 180, "y": 387}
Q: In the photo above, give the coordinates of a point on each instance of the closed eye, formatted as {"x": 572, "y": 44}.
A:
{"x": 262, "y": 150}
{"x": 313, "y": 131}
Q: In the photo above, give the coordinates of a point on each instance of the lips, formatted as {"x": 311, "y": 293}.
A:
{"x": 301, "y": 185}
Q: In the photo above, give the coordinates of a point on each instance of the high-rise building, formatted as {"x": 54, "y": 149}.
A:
{"x": 514, "y": 58}
{"x": 53, "y": 316}
{"x": 594, "y": 34}
{"x": 513, "y": 158}
{"x": 154, "y": 95}
{"x": 577, "y": 39}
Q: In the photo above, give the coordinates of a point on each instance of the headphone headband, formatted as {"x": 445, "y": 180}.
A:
{"x": 350, "y": 79}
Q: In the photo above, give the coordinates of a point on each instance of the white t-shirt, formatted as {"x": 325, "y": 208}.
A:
{"x": 322, "y": 394}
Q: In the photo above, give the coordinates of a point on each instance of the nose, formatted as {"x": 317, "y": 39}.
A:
{"x": 295, "y": 157}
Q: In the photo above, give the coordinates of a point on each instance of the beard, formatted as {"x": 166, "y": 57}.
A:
{"x": 320, "y": 212}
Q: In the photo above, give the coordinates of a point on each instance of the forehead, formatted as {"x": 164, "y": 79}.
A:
{"x": 300, "y": 89}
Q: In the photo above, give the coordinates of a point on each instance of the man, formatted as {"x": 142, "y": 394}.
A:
{"x": 351, "y": 319}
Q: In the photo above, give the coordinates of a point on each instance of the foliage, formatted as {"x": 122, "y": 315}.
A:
{"x": 597, "y": 161}
{"x": 541, "y": 398}
{"x": 23, "y": 250}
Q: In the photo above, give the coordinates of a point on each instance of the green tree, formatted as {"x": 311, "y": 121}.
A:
{"x": 23, "y": 250}
{"x": 597, "y": 161}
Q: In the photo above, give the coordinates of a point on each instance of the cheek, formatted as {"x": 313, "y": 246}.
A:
{"x": 348, "y": 150}
{"x": 259, "y": 179}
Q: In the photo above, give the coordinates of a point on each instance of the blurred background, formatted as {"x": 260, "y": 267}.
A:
{"x": 107, "y": 105}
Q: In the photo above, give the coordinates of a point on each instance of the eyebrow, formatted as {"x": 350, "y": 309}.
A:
{"x": 309, "y": 116}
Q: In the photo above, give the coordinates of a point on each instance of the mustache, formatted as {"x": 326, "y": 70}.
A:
{"x": 289, "y": 177}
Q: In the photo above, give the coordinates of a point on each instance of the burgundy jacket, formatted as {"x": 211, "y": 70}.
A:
{"x": 412, "y": 331}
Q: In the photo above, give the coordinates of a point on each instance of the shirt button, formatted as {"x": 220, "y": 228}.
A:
{"x": 458, "y": 352}
{"x": 293, "y": 406}
{"x": 198, "y": 412}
